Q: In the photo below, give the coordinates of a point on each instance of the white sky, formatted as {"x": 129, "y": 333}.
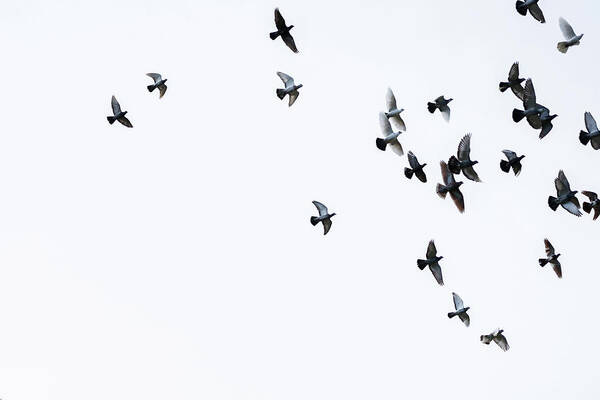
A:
{"x": 176, "y": 260}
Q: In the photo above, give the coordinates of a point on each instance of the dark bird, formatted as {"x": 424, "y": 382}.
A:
{"x": 533, "y": 8}
{"x": 463, "y": 160}
{"x": 389, "y": 136}
{"x": 415, "y": 168}
{"x": 571, "y": 38}
{"x": 565, "y": 196}
{"x": 461, "y": 310}
{"x": 513, "y": 162}
{"x": 290, "y": 88}
{"x": 594, "y": 203}
{"x": 546, "y": 120}
{"x": 324, "y": 217}
{"x": 552, "y": 258}
{"x": 118, "y": 115}
{"x": 537, "y": 115}
{"x": 432, "y": 262}
{"x": 450, "y": 186}
{"x": 592, "y": 134}
{"x": 284, "y": 31}
{"x": 394, "y": 112}
{"x": 514, "y": 82}
{"x": 159, "y": 83}
{"x": 440, "y": 104}
{"x": 497, "y": 337}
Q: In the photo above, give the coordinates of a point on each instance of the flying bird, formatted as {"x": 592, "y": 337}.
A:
{"x": 159, "y": 83}
{"x": 546, "y": 120}
{"x": 513, "y": 162}
{"x": 284, "y": 31}
{"x": 537, "y": 115}
{"x": 461, "y": 310}
{"x": 324, "y": 217}
{"x": 565, "y": 196}
{"x": 415, "y": 168}
{"x": 389, "y": 136}
{"x": 497, "y": 337}
{"x": 118, "y": 115}
{"x": 571, "y": 38}
{"x": 291, "y": 89}
{"x": 463, "y": 160}
{"x": 440, "y": 104}
{"x": 393, "y": 112}
{"x": 533, "y": 8}
{"x": 450, "y": 186}
{"x": 552, "y": 258}
{"x": 514, "y": 82}
{"x": 592, "y": 134}
{"x": 432, "y": 262}
{"x": 594, "y": 203}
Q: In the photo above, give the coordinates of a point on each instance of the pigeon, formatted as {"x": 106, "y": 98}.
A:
{"x": 513, "y": 162}
{"x": 537, "y": 115}
{"x": 571, "y": 39}
{"x": 159, "y": 83}
{"x": 290, "y": 89}
{"x": 433, "y": 262}
{"x": 393, "y": 111}
{"x": 546, "y": 120}
{"x": 497, "y": 337}
{"x": 566, "y": 197}
{"x": 594, "y": 203}
{"x": 592, "y": 134}
{"x": 415, "y": 168}
{"x": 450, "y": 186}
{"x": 461, "y": 310}
{"x": 514, "y": 82}
{"x": 533, "y": 7}
{"x": 323, "y": 217}
{"x": 463, "y": 160}
{"x": 284, "y": 31}
{"x": 118, "y": 114}
{"x": 441, "y": 104}
{"x": 552, "y": 258}
{"x": 390, "y": 137}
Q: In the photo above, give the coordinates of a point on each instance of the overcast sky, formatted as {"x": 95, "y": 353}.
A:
{"x": 175, "y": 260}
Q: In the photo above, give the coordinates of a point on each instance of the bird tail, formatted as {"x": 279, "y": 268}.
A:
{"x": 274, "y": 35}
{"x": 504, "y": 166}
{"x": 381, "y": 144}
{"x": 151, "y": 88}
{"x": 314, "y": 220}
{"x": 504, "y": 86}
{"x": 454, "y": 165}
{"x": 111, "y": 120}
{"x": 280, "y": 93}
{"x": 553, "y": 203}
{"x": 441, "y": 190}
{"x": 521, "y": 8}
{"x": 518, "y": 115}
{"x": 408, "y": 173}
{"x": 583, "y": 138}
{"x": 451, "y": 314}
{"x": 421, "y": 264}
{"x": 431, "y": 107}
{"x": 562, "y": 47}
{"x": 542, "y": 262}
{"x": 587, "y": 207}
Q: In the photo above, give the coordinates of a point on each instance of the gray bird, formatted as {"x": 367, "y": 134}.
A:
{"x": 461, "y": 310}
{"x": 463, "y": 160}
{"x": 290, "y": 89}
{"x": 497, "y": 337}
{"x": 546, "y": 120}
{"x": 324, "y": 217}
{"x": 118, "y": 115}
{"x": 552, "y": 258}
{"x": 514, "y": 82}
{"x": 415, "y": 168}
{"x": 159, "y": 83}
{"x": 533, "y": 8}
{"x": 565, "y": 196}
{"x": 440, "y": 104}
{"x": 592, "y": 134}
{"x": 450, "y": 186}
{"x": 389, "y": 136}
{"x": 513, "y": 162}
{"x": 284, "y": 31}
{"x": 393, "y": 112}
{"x": 537, "y": 115}
{"x": 571, "y": 38}
{"x": 594, "y": 203}
{"x": 432, "y": 262}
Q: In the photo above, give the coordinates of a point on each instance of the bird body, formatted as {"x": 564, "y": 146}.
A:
{"x": 462, "y": 161}
{"x": 461, "y": 310}
{"x": 497, "y": 337}
{"x": 432, "y": 261}
{"x": 571, "y": 38}
{"x": 415, "y": 168}
{"x": 593, "y": 133}
{"x": 565, "y": 196}
{"x": 283, "y": 31}
{"x": 441, "y": 103}
{"x": 159, "y": 83}
{"x": 450, "y": 186}
{"x": 537, "y": 115}
{"x": 393, "y": 112}
{"x": 513, "y": 162}
{"x": 533, "y": 8}
{"x": 514, "y": 82}
{"x": 389, "y": 136}
{"x": 324, "y": 217}
{"x": 593, "y": 204}
{"x": 290, "y": 89}
{"x": 551, "y": 258}
{"x": 118, "y": 114}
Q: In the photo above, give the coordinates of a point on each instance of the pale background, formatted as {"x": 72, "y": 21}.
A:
{"x": 175, "y": 260}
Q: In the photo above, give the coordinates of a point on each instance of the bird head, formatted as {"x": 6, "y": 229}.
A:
{"x": 440, "y": 257}
{"x": 458, "y": 184}
{"x": 290, "y": 27}
{"x": 449, "y": 100}
{"x": 558, "y": 255}
{"x": 522, "y": 157}
{"x": 331, "y": 215}
{"x": 475, "y": 162}
{"x": 423, "y": 165}
{"x": 520, "y": 80}
{"x": 124, "y": 112}
{"x": 299, "y": 86}
{"x": 165, "y": 80}
{"x": 467, "y": 309}
{"x": 552, "y": 117}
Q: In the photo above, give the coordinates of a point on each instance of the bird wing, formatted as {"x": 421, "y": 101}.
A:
{"x": 390, "y": 100}
{"x": 464, "y": 317}
{"x": 595, "y": 143}
{"x": 536, "y": 12}
{"x": 321, "y": 207}
{"x": 436, "y": 270}
{"x": 116, "y": 107}
{"x": 384, "y": 123}
{"x": 447, "y": 176}
{"x": 279, "y": 21}
{"x": 412, "y": 160}
{"x": 590, "y": 123}
{"x": 509, "y": 154}
{"x": 534, "y": 121}
{"x": 501, "y": 341}
{"x": 397, "y": 147}
{"x": 518, "y": 91}
{"x": 326, "y": 225}
{"x": 162, "y": 89}
{"x": 421, "y": 176}
{"x": 399, "y": 122}
{"x": 572, "y": 207}
{"x": 546, "y": 128}
{"x": 566, "y": 28}
{"x": 458, "y": 303}
{"x": 549, "y": 248}
{"x": 590, "y": 195}
{"x": 470, "y": 173}
{"x": 564, "y": 180}
{"x": 125, "y": 122}
{"x": 156, "y": 77}
{"x": 458, "y": 199}
{"x": 288, "y": 39}
{"x": 293, "y": 96}
{"x": 431, "y": 250}
{"x": 464, "y": 148}
{"x": 529, "y": 94}
{"x": 287, "y": 80}
{"x": 513, "y": 73}
{"x": 445, "y": 110}
{"x": 556, "y": 267}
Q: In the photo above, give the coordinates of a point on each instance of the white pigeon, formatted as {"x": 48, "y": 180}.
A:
{"x": 571, "y": 38}
{"x": 389, "y": 136}
{"x": 393, "y": 112}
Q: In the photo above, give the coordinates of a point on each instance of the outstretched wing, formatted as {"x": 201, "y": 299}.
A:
{"x": 384, "y": 123}
{"x": 458, "y": 199}
{"x": 458, "y": 303}
{"x": 529, "y": 94}
{"x": 116, "y": 107}
{"x": 321, "y": 208}
{"x": 566, "y": 28}
{"x": 509, "y": 154}
{"x": 447, "y": 176}
{"x": 445, "y": 110}
{"x": 293, "y": 96}
{"x": 590, "y": 123}
{"x": 436, "y": 270}
{"x": 288, "y": 39}
{"x": 513, "y": 74}
{"x": 287, "y": 80}
{"x": 590, "y": 195}
{"x": 556, "y": 267}
{"x": 397, "y": 147}
{"x": 572, "y": 206}
{"x": 390, "y": 100}
{"x": 431, "y": 250}
{"x": 501, "y": 341}
{"x": 536, "y": 12}
{"x": 549, "y": 248}
{"x": 464, "y": 317}
{"x": 156, "y": 77}
{"x": 279, "y": 21}
{"x": 464, "y": 148}
{"x": 326, "y": 225}
{"x": 412, "y": 160}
